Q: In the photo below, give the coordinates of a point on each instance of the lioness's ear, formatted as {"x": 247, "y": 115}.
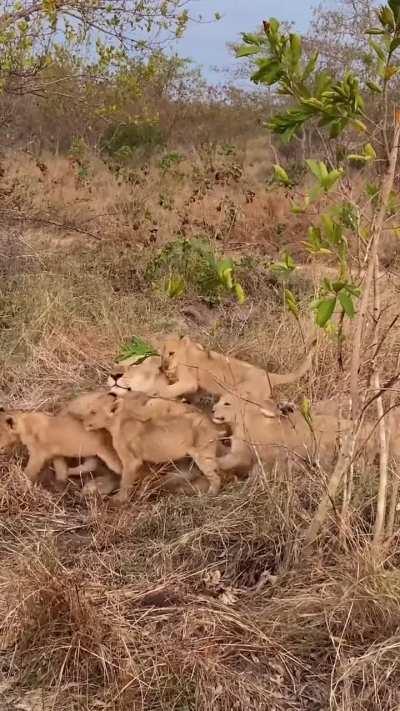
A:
{"x": 10, "y": 422}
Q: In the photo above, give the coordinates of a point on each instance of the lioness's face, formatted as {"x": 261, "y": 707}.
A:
{"x": 138, "y": 377}
{"x": 225, "y": 410}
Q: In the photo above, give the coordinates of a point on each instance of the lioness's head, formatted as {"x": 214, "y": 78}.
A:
{"x": 177, "y": 351}
{"x": 8, "y": 429}
{"x": 101, "y": 412}
{"x": 135, "y": 377}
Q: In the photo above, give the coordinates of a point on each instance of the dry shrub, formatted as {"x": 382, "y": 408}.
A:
{"x": 209, "y": 195}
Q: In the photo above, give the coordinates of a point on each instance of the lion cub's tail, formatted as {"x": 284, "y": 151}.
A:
{"x": 277, "y": 379}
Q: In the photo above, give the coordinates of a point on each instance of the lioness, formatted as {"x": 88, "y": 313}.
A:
{"x": 263, "y": 431}
{"x": 154, "y": 430}
{"x": 53, "y": 437}
{"x": 190, "y": 367}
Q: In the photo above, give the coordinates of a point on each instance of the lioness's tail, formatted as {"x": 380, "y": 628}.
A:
{"x": 277, "y": 379}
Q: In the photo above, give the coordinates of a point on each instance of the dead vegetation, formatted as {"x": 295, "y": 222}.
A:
{"x": 176, "y": 602}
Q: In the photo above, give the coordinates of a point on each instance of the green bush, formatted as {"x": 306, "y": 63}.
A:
{"x": 191, "y": 265}
{"x": 122, "y": 141}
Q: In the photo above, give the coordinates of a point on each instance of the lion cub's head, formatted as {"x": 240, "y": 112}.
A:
{"x": 178, "y": 351}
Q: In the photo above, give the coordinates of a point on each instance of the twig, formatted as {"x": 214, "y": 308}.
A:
{"x": 44, "y": 221}
{"x": 383, "y": 434}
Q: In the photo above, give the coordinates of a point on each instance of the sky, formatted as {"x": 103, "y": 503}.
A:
{"x": 205, "y": 44}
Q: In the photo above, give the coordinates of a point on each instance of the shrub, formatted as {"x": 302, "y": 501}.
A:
{"x": 122, "y": 141}
{"x": 193, "y": 265}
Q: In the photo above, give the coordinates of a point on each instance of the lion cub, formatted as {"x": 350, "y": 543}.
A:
{"x": 190, "y": 367}
{"x": 155, "y": 430}
{"x": 53, "y": 437}
{"x": 262, "y": 431}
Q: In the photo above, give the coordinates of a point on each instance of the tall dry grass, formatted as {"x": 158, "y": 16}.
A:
{"x": 175, "y": 602}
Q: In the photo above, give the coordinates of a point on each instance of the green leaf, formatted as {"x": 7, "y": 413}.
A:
{"x": 246, "y": 51}
{"x": 240, "y": 294}
{"x": 325, "y": 311}
{"x": 369, "y": 151}
{"x": 328, "y": 226}
{"x": 314, "y": 244}
{"x": 378, "y": 50}
{"x": 374, "y": 31}
{"x": 374, "y": 87}
{"x": 175, "y": 286}
{"x": 281, "y": 175}
{"x": 286, "y": 266}
{"x": 331, "y": 179}
{"x": 315, "y": 167}
{"x": 305, "y": 409}
{"x": 249, "y": 38}
{"x": 269, "y": 73}
{"x": 372, "y": 192}
{"x": 394, "y": 44}
{"x": 395, "y": 7}
{"x": 225, "y": 268}
{"x": 136, "y": 351}
{"x": 314, "y": 103}
{"x": 301, "y": 209}
{"x": 291, "y": 304}
{"x": 295, "y": 49}
{"x": 359, "y": 125}
{"x": 358, "y": 158}
{"x": 346, "y": 303}
{"x": 323, "y": 82}
{"x": 310, "y": 66}
{"x": 386, "y": 17}
{"x": 227, "y": 278}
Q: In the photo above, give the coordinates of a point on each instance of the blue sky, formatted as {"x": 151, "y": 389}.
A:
{"x": 206, "y": 44}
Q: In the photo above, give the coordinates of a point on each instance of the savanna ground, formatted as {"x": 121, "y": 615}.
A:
{"x": 174, "y": 602}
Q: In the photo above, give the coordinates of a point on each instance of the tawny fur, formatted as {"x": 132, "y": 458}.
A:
{"x": 261, "y": 431}
{"x": 190, "y": 367}
{"x": 54, "y": 437}
{"x": 145, "y": 377}
{"x": 156, "y": 430}
{"x": 78, "y": 407}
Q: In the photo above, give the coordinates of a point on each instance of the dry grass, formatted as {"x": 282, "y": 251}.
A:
{"x": 173, "y": 603}
{"x": 215, "y": 195}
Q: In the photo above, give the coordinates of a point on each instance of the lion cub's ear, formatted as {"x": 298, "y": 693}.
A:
{"x": 114, "y": 402}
